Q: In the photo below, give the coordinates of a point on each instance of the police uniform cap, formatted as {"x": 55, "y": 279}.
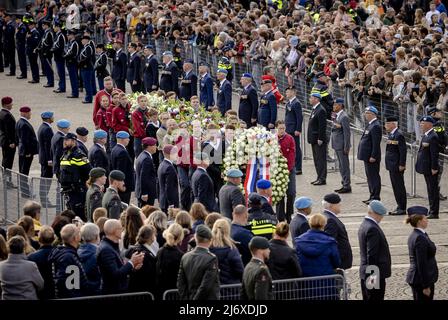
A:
{"x": 303, "y": 203}
{"x": 221, "y": 71}
{"x": 316, "y": 95}
{"x": 263, "y": 184}
{"x": 432, "y": 110}
{"x": 258, "y": 242}
{"x": 420, "y": 210}
{"x": 99, "y": 134}
{"x": 247, "y": 75}
{"x": 204, "y": 232}
{"x": 82, "y": 131}
{"x": 332, "y": 198}
{"x": 339, "y": 101}
{"x": 150, "y": 47}
{"x": 378, "y": 207}
{"x": 97, "y": 173}
{"x": 85, "y": 37}
{"x": 6, "y": 101}
{"x": 122, "y": 135}
{"x": 25, "y": 109}
{"x": 117, "y": 175}
{"x": 149, "y": 141}
{"x": 266, "y": 81}
{"x": 427, "y": 119}
{"x": 255, "y": 199}
{"x": 167, "y": 53}
{"x": 63, "y": 123}
{"x": 46, "y": 22}
{"x": 47, "y": 115}
{"x": 57, "y": 23}
{"x": 70, "y": 135}
{"x": 226, "y": 48}
{"x": 371, "y": 109}
{"x": 234, "y": 173}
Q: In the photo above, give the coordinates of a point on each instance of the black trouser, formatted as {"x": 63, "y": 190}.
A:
{"x": 373, "y": 294}
{"x": 185, "y": 188}
{"x": 24, "y": 169}
{"x": 1, "y": 57}
{"x": 417, "y": 293}
{"x": 8, "y": 160}
{"x": 121, "y": 84}
{"x": 46, "y": 171}
{"x": 432, "y": 186}
{"x": 142, "y": 203}
{"x": 373, "y": 179}
{"x": 10, "y": 55}
{"x": 125, "y": 196}
{"x": 75, "y": 201}
{"x": 21, "y": 54}
{"x": 397, "y": 180}
{"x": 32, "y": 57}
{"x": 320, "y": 161}
{"x": 290, "y": 197}
{"x": 136, "y": 87}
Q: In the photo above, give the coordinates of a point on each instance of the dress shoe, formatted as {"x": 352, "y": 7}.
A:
{"x": 298, "y": 172}
{"x": 33, "y": 81}
{"x": 58, "y": 91}
{"x": 367, "y": 201}
{"x": 442, "y": 197}
{"x": 21, "y": 77}
{"x": 72, "y": 97}
{"x": 41, "y": 75}
{"x": 313, "y": 182}
{"x": 344, "y": 190}
{"x": 10, "y": 74}
{"x": 397, "y": 213}
{"x": 320, "y": 183}
{"x": 433, "y": 216}
{"x": 49, "y": 86}
{"x": 84, "y": 101}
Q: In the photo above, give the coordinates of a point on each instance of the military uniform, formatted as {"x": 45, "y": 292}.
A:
{"x": 151, "y": 73}
{"x": 443, "y": 141}
{"x": 7, "y": 138}
{"x": 21, "y": 49}
{"x": 44, "y": 48}
{"x": 10, "y": 47}
{"x": 257, "y": 281}
{"x": 267, "y": 111}
{"x": 85, "y": 60}
{"x": 71, "y": 59}
{"x": 32, "y": 41}
{"x": 248, "y": 107}
{"x": 101, "y": 69}
{"x": 58, "y": 52}
{"x": 94, "y": 198}
{"x": 112, "y": 203}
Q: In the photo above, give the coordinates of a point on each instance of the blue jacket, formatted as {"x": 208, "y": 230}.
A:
{"x": 57, "y": 150}
{"x": 40, "y": 257}
{"x": 206, "y": 91}
{"x": 231, "y": 266}
{"x": 32, "y": 41}
{"x": 224, "y": 97}
{"x": 203, "y": 189}
{"x": 121, "y": 160}
{"x": 98, "y": 158}
{"x": 293, "y": 116}
{"x": 267, "y": 112}
{"x": 44, "y": 136}
{"x": 134, "y": 68}
{"x": 87, "y": 255}
{"x": 242, "y": 235}
{"x": 370, "y": 143}
{"x": 169, "y": 78}
{"x": 318, "y": 253}
{"x": 151, "y": 72}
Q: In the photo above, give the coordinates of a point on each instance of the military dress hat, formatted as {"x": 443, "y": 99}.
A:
{"x": 258, "y": 242}
{"x": 63, "y": 123}
{"x": 99, "y": 134}
{"x": 82, "y": 131}
{"x": 149, "y": 46}
{"x": 73, "y": 32}
{"x": 149, "y": 141}
{"x": 47, "y": 115}
{"x": 221, "y": 71}
{"x": 247, "y": 75}
{"x": 204, "y": 232}
{"x": 6, "y": 101}
{"x": 70, "y": 135}
{"x": 332, "y": 198}
{"x": 255, "y": 199}
{"x": 427, "y": 119}
{"x": 263, "y": 184}
{"x": 392, "y": 119}
{"x": 378, "y": 207}
{"x": 432, "y": 110}
{"x": 371, "y": 109}
{"x": 234, "y": 173}
{"x": 122, "y": 135}
{"x": 25, "y": 109}
{"x": 316, "y": 95}
{"x": 339, "y": 101}
{"x": 97, "y": 172}
{"x": 117, "y": 175}
{"x": 418, "y": 210}
{"x": 303, "y": 202}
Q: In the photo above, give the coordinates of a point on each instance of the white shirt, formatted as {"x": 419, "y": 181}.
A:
{"x": 428, "y": 132}
{"x": 370, "y": 122}
{"x": 420, "y": 229}
{"x": 370, "y": 218}
{"x": 339, "y": 113}
{"x": 215, "y": 143}
{"x": 63, "y": 134}
{"x": 221, "y": 83}
{"x": 300, "y": 213}
{"x": 315, "y": 106}
{"x": 25, "y": 119}
{"x": 291, "y": 100}
{"x": 393, "y": 131}
{"x": 247, "y": 87}
{"x": 100, "y": 145}
{"x": 203, "y": 76}
{"x": 205, "y": 170}
{"x": 47, "y": 124}
{"x": 6, "y": 110}
{"x": 148, "y": 153}
{"x": 334, "y": 214}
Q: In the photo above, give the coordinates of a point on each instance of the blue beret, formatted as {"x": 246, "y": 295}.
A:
{"x": 99, "y": 134}
{"x": 263, "y": 184}
{"x": 122, "y": 135}
{"x": 149, "y": 46}
{"x": 427, "y": 119}
{"x": 47, "y": 115}
{"x": 247, "y": 75}
{"x": 221, "y": 71}
{"x": 339, "y": 101}
{"x": 371, "y": 109}
{"x": 378, "y": 207}
{"x": 418, "y": 210}
{"x": 316, "y": 95}
{"x": 167, "y": 53}
{"x": 303, "y": 202}
{"x": 189, "y": 61}
{"x": 234, "y": 173}
{"x": 64, "y": 124}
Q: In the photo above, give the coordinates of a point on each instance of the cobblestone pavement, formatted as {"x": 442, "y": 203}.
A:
{"x": 41, "y": 99}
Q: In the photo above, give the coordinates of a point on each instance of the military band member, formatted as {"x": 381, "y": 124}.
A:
{"x": 32, "y": 42}
{"x": 9, "y": 44}
{"x": 119, "y": 66}
{"x": 86, "y": 61}
{"x": 58, "y": 52}
{"x": 44, "y": 49}
{"x": 71, "y": 53}
{"x": 21, "y": 46}
{"x": 100, "y": 66}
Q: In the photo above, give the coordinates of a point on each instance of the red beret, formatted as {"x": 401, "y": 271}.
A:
{"x": 25, "y": 109}
{"x": 6, "y": 101}
{"x": 149, "y": 141}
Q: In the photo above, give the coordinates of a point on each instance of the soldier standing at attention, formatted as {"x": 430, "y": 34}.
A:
{"x": 111, "y": 199}
{"x": 94, "y": 195}
{"x": 170, "y": 74}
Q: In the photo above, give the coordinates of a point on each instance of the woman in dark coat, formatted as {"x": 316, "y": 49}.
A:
{"x": 168, "y": 259}
{"x": 423, "y": 271}
{"x": 283, "y": 262}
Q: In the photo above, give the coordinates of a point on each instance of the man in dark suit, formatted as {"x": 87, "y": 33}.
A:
{"x": 168, "y": 180}
{"x": 369, "y": 151}
{"x": 395, "y": 160}
{"x": 317, "y": 137}
{"x": 336, "y": 229}
{"x": 57, "y": 144}
{"x": 44, "y": 136}
{"x": 267, "y": 110}
{"x": 224, "y": 95}
{"x": 293, "y": 122}
{"x": 341, "y": 143}
{"x": 32, "y": 41}
{"x": 97, "y": 154}
{"x": 375, "y": 266}
{"x": 206, "y": 87}
{"x": 119, "y": 66}
{"x": 188, "y": 82}
{"x": 121, "y": 160}
{"x": 248, "y": 107}
{"x": 428, "y": 164}
{"x": 202, "y": 184}
{"x": 299, "y": 221}
{"x": 230, "y": 194}
{"x": 28, "y": 147}
{"x": 150, "y": 70}
{"x": 7, "y": 137}
{"x": 170, "y": 74}
{"x": 133, "y": 75}
{"x": 145, "y": 174}
{"x": 214, "y": 147}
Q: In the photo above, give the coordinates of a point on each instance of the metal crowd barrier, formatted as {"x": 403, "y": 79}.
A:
{"x": 331, "y": 287}
{"x": 135, "y": 296}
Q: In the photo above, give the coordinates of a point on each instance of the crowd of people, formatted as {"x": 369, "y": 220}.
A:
{"x": 217, "y": 235}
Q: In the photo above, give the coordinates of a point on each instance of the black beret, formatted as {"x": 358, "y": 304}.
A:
{"x": 255, "y": 199}
{"x": 392, "y": 119}
{"x": 97, "y": 172}
{"x": 82, "y": 131}
{"x": 117, "y": 175}
{"x": 204, "y": 232}
{"x": 332, "y": 198}
{"x": 258, "y": 242}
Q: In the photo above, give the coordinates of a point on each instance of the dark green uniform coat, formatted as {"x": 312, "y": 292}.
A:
{"x": 257, "y": 281}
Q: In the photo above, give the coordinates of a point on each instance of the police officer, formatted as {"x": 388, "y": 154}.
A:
{"x": 248, "y": 107}
{"x": 94, "y": 195}
{"x": 75, "y": 168}
{"x": 85, "y": 63}
{"x": 21, "y": 32}
{"x": 369, "y": 151}
{"x": 260, "y": 222}
{"x": 44, "y": 136}
{"x": 293, "y": 122}
{"x": 224, "y": 62}
{"x": 224, "y": 96}
{"x": 321, "y": 88}
{"x": 150, "y": 69}
{"x": 206, "y": 87}
{"x": 177, "y": 55}
{"x": 111, "y": 199}
{"x": 257, "y": 280}
{"x": 82, "y": 133}
{"x": 189, "y": 81}
{"x": 9, "y": 45}
{"x": 57, "y": 144}
{"x": 44, "y": 49}
{"x": 198, "y": 277}
{"x": 395, "y": 160}
{"x": 58, "y": 52}
{"x": 170, "y": 73}
{"x": 32, "y": 42}
{"x": 267, "y": 111}
{"x": 133, "y": 71}
{"x": 97, "y": 154}
{"x": 119, "y": 65}
{"x": 101, "y": 65}
{"x": 71, "y": 53}
{"x": 428, "y": 164}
